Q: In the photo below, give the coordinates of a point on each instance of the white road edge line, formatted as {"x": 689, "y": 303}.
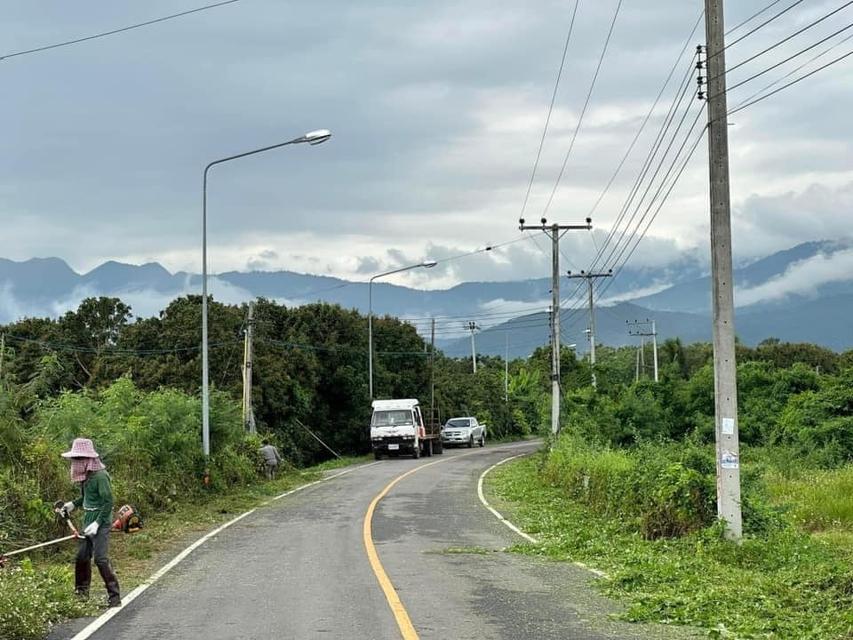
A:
{"x": 494, "y": 511}
{"x": 105, "y": 617}
{"x": 509, "y": 524}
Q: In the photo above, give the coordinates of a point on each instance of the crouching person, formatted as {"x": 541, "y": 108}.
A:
{"x": 96, "y": 499}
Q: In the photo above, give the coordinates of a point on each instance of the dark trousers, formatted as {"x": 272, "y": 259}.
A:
{"x": 97, "y": 546}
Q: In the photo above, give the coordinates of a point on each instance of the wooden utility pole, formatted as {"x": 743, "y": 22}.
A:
{"x": 555, "y": 232}
{"x": 725, "y": 365}
{"x": 248, "y": 410}
{"x": 590, "y": 277}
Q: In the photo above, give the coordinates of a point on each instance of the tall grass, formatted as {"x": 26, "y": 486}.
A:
{"x": 818, "y": 500}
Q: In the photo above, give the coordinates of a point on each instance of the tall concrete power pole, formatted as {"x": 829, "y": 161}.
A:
{"x": 472, "y": 327}
{"x": 555, "y": 232}
{"x": 650, "y": 331}
{"x": 248, "y": 357}
{"x": 725, "y": 365}
{"x": 590, "y": 279}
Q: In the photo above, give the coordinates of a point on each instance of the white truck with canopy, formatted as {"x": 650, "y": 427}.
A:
{"x": 398, "y": 426}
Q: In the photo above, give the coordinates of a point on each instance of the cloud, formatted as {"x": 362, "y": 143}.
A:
{"x": 803, "y": 278}
{"x": 144, "y": 303}
{"x": 262, "y": 261}
{"x": 367, "y": 265}
{"x": 436, "y": 110}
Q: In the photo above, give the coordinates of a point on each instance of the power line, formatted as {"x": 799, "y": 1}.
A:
{"x": 797, "y": 69}
{"x": 787, "y": 38}
{"x": 550, "y": 109}
{"x": 585, "y": 107}
{"x": 790, "y": 84}
{"x": 762, "y": 25}
{"x": 647, "y": 118}
{"x": 752, "y": 17}
{"x": 788, "y": 59}
{"x": 103, "y": 34}
{"x": 678, "y": 175}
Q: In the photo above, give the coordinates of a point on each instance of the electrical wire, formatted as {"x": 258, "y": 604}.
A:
{"x": 585, "y": 107}
{"x": 788, "y": 59}
{"x": 103, "y": 34}
{"x": 550, "y": 109}
{"x": 761, "y": 26}
{"x": 647, "y": 118}
{"x": 753, "y": 17}
{"x": 790, "y": 84}
{"x": 796, "y": 69}
{"x": 787, "y": 38}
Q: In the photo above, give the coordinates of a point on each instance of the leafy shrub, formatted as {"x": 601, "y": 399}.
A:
{"x": 658, "y": 489}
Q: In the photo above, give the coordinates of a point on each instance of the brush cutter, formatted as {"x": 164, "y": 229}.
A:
{"x": 128, "y": 521}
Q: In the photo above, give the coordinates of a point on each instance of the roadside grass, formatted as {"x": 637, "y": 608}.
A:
{"x": 786, "y": 584}
{"x": 36, "y": 593}
{"x": 819, "y": 500}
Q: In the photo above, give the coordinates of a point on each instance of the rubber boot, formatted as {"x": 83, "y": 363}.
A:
{"x": 111, "y": 583}
{"x": 82, "y": 577}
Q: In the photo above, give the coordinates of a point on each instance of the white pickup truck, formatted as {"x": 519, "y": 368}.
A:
{"x": 463, "y": 431}
{"x": 398, "y": 426}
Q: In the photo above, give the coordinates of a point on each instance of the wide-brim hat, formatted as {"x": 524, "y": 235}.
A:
{"x": 81, "y": 448}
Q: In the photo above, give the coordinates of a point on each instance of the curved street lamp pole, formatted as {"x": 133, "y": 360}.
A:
{"x": 312, "y": 138}
{"x": 426, "y": 264}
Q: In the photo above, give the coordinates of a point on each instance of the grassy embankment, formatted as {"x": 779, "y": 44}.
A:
{"x": 640, "y": 515}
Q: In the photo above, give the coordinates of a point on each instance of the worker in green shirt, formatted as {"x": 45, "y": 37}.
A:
{"x": 97, "y": 501}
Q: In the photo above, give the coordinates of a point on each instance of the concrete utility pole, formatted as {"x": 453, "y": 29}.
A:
{"x": 725, "y": 365}
{"x": 590, "y": 278}
{"x": 555, "y": 232}
{"x": 432, "y": 373}
{"x": 2, "y": 354}
{"x": 641, "y": 354}
{"x": 506, "y": 367}
{"x": 248, "y": 351}
{"x": 472, "y": 327}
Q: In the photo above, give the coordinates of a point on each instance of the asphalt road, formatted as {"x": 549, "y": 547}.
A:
{"x": 299, "y": 569}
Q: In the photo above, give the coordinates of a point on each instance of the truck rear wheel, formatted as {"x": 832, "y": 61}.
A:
{"x": 428, "y": 448}
{"x": 439, "y": 447}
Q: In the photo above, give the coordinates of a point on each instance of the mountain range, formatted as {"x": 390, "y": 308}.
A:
{"x": 804, "y": 294}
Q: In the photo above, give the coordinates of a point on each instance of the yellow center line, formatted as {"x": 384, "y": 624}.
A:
{"x": 407, "y": 630}
{"x": 404, "y": 622}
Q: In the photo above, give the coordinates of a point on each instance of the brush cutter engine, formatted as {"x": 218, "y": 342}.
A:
{"x": 129, "y": 520}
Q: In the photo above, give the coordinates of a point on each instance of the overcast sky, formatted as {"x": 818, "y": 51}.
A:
{"x": 436, "y": 108}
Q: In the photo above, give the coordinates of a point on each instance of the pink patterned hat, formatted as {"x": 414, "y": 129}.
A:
{"x": 81, "y": 448}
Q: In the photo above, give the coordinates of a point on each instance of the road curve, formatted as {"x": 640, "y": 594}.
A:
{"x": 299, "y": 568}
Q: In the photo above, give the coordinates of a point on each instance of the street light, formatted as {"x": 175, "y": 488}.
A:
{"x": 313, "y": 138}
{"x": 426, "y": 264}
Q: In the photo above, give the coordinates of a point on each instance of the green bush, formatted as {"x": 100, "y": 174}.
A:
{"x": 658, "y": 489}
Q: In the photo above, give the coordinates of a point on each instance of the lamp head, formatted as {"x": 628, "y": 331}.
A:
{"x": 317, "y": 137}
{"x": 429, "y": 264}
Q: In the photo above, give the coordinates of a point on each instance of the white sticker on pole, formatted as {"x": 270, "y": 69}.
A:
{"x": 728, "y": 426}
{"x": 729, "y": 460}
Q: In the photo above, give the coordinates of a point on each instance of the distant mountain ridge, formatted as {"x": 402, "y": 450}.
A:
{"x": 803, "y": 293}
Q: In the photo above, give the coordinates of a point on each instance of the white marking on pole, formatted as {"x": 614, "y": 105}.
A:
{"x": 105, "y": 617}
